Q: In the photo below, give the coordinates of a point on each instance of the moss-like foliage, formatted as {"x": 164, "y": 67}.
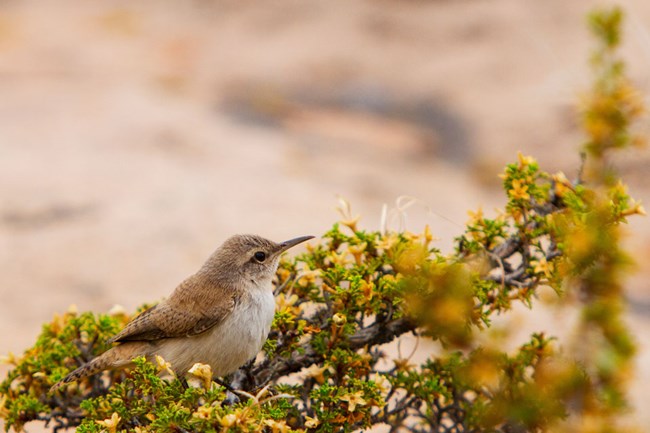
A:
{"x": 324, "y": 367}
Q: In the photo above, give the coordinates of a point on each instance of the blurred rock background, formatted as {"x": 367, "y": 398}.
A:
{"x": 135, "y": 137}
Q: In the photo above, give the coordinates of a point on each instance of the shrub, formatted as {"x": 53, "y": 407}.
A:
{"x": 324, "y": 369}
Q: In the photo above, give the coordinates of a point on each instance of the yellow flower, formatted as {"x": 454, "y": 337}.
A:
{"x": 229, "y": 420}
{"x": 357, "y": 251}
{"x": 345, "y": 210}
{"x": 383, "y": 385}
{"x": 111, "y": 423}
{"x": 287, "y": 303}
{"x": 516, "y": 214}
{"x": 316, "y": 372}
{"x": 311, "y": 422}
{"x": 410, "y": 236}
{"x": 562, "y": 184}
{"x": 57, "y": 324}
{"x": 283, "y": 275}
{"x": 368, "y": 290}
{"x": 542, "y": 266}
{"x": 519, "y": 191}
{"x": 308, "y": 277}
{"x": 203, "y": 412}
{"x": 354, "y": 400}
{"x": 238, "y": 417}
{"x": 164, "y": 366}
{"x": 428, "y": 236}
{"x": 402, "y": 364}
{"x": 277, "y": 426}
{"x": 524, "y": 161}
{"x": 475, "y": 217}
{"x": 338, "y": 259}
{"x": 635, "y": 209}
{"x": 387, "y": 241}
{"x": 352, "y": 222}
{"x": 203, "y": 372}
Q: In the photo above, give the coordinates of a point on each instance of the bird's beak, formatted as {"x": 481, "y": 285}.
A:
{"x": 293, "y": 242}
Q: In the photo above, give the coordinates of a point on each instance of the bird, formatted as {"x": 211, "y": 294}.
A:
{"x": 220, "y": 316}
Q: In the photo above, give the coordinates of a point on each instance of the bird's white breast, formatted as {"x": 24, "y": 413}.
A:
{"x": 228, "y": 345}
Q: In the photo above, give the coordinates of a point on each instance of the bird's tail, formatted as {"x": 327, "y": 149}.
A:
{"x": 118, "y": 356}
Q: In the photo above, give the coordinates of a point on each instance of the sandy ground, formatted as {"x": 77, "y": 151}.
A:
{"x": 135, "y": 137}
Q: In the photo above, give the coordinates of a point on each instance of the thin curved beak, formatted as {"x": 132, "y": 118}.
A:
{"x": 293, "y": 242}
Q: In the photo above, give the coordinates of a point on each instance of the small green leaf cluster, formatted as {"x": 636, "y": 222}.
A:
{"x": 516, "y": 251}
{"x": 70, "y": 339}
{"x": 145, "y": 402}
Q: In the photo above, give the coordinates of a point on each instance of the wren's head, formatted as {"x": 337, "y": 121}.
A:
{"x": 248, "y": 258}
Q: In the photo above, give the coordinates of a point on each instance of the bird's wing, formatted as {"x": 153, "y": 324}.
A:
{"x": 178, "y": 316}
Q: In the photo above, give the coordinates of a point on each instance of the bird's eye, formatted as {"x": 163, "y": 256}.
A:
{"x": 260, "y": 256}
